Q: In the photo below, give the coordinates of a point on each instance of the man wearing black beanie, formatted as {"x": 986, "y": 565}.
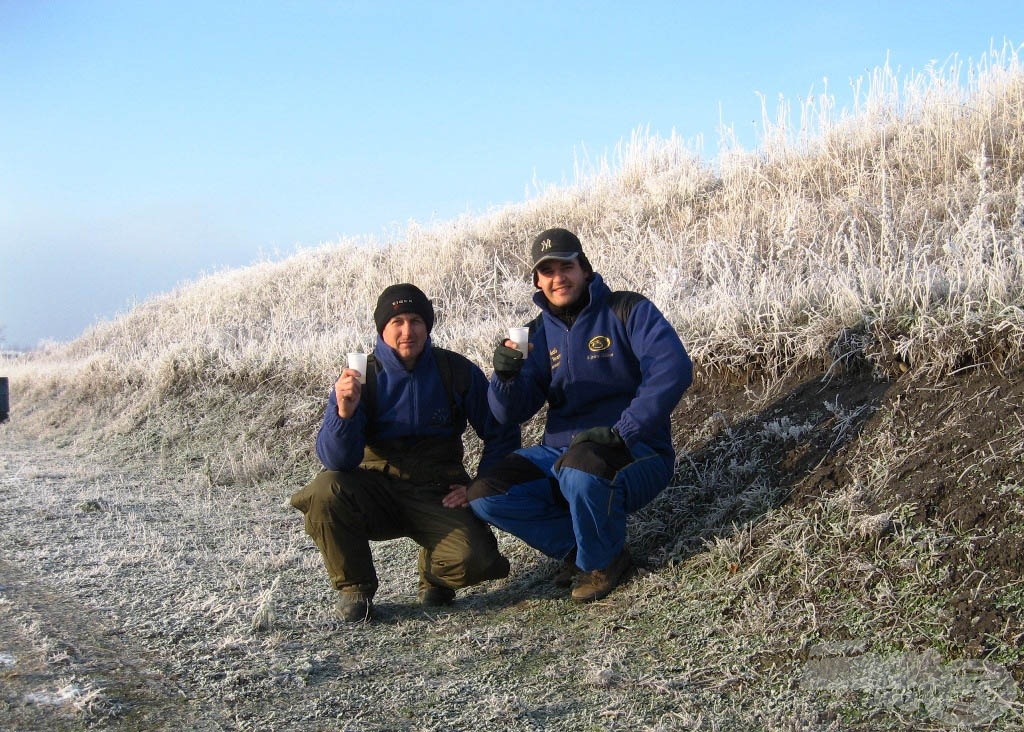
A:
{"x": 400, "y": 299}
{"x": 393, "y": 457}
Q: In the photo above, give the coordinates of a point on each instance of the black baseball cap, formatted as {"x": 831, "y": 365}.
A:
{"x": 560, "y": 244}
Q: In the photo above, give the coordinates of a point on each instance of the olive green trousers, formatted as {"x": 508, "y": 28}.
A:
{"x": 345, "y": 511}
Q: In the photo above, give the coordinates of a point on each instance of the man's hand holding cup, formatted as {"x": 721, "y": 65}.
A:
{"x": 349, "y": 385}
{"x": 511, "y": 352}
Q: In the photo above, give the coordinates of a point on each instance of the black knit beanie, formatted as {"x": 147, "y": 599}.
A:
{"x": 403, "y": 298}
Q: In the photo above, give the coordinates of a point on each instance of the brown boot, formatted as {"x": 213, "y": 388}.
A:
{"x": 435, "y": 596}
{"x": 354, "y": 606}
{"x": 594, "y": 585}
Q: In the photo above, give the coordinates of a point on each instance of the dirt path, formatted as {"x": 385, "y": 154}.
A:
{"x": 63, "y": 664}
{"x": 65, "y": 659}
{"x": 132, "y": 599}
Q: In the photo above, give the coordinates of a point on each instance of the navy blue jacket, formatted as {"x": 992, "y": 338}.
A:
{"x": 600, "y": 373}
{"x": 411, "y": 404}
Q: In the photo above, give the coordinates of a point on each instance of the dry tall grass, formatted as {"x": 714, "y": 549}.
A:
{"x": 900, "y": 223}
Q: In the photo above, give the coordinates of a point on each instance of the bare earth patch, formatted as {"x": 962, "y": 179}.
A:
{"x": 959, "y": 463}
{"x": 835, "y": 554}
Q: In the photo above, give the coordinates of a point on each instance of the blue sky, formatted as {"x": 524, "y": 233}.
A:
{"x": 144, "y": 143}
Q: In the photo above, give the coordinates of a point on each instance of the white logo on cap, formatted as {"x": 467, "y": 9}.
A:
{"x": 545, "y": 245}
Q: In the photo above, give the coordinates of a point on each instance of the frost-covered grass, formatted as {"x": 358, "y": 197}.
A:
{"x": 902, "y": 219}
{"x": 150, "y": 599}
{"x": 889, "y": 239}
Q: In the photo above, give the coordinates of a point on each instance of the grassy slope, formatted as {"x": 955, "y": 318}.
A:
{"x": 802, "y": 534}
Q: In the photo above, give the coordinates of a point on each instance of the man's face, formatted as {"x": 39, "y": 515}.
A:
{"x": 562, "y": 283}
{"x": 407, "y": 335}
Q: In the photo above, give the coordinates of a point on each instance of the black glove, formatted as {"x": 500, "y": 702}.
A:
{"x": 613, "y": 449}
{"x": 600, "y": 435}
{"x": 507, "y": 361}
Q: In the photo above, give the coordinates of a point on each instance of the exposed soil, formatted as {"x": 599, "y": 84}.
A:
{"x": 962, "y": 466}
{"x": 957, "y": 456}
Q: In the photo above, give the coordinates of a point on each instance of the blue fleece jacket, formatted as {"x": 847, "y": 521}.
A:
{"x": 601, "y": 372}
{"x": 411, "y": 404}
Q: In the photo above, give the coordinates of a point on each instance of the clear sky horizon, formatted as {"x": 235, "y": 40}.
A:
{"x": 143, "y": 144}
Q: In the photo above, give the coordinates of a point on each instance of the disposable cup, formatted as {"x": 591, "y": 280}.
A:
{"x": 521, "y": 336}
{"x": 357, "y": 362}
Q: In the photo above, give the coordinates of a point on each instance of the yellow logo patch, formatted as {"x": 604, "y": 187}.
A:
{"x": 599, "y": 343}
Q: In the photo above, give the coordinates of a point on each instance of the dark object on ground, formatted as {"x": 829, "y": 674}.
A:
{"x": 5, "y": 406}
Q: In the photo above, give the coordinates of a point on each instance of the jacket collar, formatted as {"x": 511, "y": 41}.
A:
{"x": 390, "y": 362}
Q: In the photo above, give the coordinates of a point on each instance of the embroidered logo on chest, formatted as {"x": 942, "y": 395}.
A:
{"x": 599, "y": 343}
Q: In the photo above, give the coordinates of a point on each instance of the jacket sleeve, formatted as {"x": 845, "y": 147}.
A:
{"x": 666, "y": 372}
{"x": 340, "y": 442}
{"x": 516, "y": 400}
{"x": 499, "y": 439}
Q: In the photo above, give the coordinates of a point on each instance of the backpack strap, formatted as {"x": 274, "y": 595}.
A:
{"x": 455, "y": 377}
{"x": 622, "y": 303}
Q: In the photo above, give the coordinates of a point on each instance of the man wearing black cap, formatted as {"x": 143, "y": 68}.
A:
{"x": 392, "y": 452}
{"x": 611, "y": 369}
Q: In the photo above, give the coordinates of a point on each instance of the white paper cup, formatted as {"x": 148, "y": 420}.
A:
{"x": 357, "y": 362}
{"x": 521, "y": 336}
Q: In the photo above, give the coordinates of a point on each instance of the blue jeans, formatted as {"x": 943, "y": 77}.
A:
{"x": 581, "y": 503}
